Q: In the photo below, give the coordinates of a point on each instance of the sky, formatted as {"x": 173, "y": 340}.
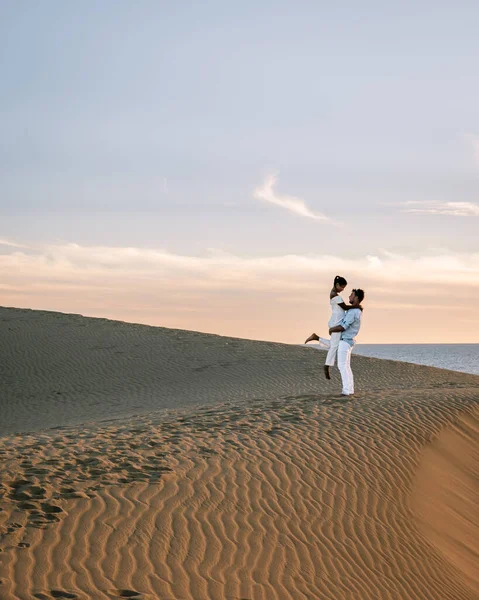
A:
{"x": 212, "y": 166}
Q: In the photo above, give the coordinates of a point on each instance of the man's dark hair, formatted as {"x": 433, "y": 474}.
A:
{"x": 359, "y": 294}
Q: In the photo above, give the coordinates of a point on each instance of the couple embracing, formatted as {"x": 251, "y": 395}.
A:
{"x": 344, "y": 326}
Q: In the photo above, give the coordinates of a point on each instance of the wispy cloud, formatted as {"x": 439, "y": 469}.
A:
{"x": 267, "y": 193}
{"x": 455, "y": 209}
{"x": 11, "y": 244}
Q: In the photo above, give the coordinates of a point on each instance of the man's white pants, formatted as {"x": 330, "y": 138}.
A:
{"x": 332, "y": 345}
{"x": 344, "y": 366}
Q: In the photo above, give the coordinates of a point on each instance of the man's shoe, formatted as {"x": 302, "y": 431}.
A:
{"x": 326, "y": 372}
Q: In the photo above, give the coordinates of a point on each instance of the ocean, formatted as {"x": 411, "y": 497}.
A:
{"x": 456, "y": 357}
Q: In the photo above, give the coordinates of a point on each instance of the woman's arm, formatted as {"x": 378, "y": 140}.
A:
{"x": 345, "y": 306}
{"x": 348, "y": 306}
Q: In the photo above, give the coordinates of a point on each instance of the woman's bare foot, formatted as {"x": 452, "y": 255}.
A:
{"x": 326, "y": 371}
{"x": 312, "y": 337}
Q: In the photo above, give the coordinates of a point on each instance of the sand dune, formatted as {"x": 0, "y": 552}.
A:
{"x": 217, "y": 468}
{"x": 59, "y": 369}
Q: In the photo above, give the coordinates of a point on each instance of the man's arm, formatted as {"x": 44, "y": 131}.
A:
{"x": 345, "y": 323}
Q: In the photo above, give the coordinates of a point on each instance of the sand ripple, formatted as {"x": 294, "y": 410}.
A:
{"x": 305, "y": 496}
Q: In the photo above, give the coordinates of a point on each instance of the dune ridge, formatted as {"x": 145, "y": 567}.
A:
{"x": 448, "y": 474}
{"x": 302, "y": 495}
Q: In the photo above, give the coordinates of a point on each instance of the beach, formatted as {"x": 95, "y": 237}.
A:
{"x": 147, "y": 462}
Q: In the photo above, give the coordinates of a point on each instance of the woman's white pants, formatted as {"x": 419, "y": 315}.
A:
{"x": 332, "y": 344}
{"x": 344, "y": 366}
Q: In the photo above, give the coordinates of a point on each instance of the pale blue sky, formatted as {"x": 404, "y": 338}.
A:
{"x": 150, "y": 125}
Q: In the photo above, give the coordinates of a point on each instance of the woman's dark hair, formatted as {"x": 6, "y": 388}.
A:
{"x": 340, "y": 280}
{"x": 359, "y": 294}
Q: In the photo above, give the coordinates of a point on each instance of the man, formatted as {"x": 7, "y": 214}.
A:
{"x": 349, "y": 328}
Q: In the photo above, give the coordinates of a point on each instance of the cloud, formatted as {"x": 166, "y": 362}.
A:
{"x": 11, "y": 244}
{"x": 120, "y": 267}
{"x": 455, "y": 209}
{"x": 296, "y": 205}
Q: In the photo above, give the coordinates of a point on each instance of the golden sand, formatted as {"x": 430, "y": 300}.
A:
{"x": 152, "y": 463}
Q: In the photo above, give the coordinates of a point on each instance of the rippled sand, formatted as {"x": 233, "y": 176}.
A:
{"x": 169, "y": 464}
